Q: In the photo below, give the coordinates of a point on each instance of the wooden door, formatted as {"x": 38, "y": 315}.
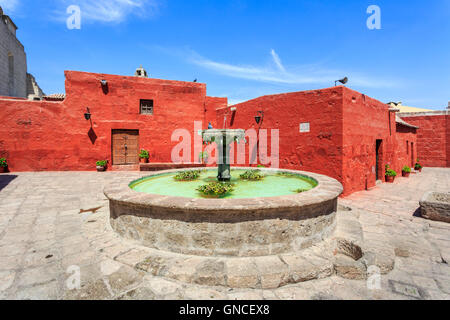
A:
{"x": 125, "y": 147}
{"x": 378, "y": 173}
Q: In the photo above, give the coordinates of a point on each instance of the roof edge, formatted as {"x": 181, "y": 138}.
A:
{"x": 428, "y": 113}
{"x": 404, "y": 123}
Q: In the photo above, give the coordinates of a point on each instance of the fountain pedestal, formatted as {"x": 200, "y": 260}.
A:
{"x": 223, "y": 138}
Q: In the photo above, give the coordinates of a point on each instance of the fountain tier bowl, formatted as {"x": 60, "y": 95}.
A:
{"x": 226, "y": 227}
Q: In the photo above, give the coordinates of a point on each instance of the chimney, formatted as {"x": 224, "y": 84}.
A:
{"x": 141, "y": 72}
{"x": 448, "y": 108}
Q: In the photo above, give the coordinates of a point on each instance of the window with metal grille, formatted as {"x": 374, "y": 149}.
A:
{"x": 146, "y": 107}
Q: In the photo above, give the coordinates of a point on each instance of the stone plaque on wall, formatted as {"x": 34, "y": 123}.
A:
{"x": 304, "y": 127}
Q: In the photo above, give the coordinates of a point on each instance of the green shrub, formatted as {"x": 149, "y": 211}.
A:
{"x": 216, "y": 189}
{"x": 190, "y": 175}
{"x": 418, "y": 166}
{"x": 3, "y": 163}
{"x": 252, "y": 175}
{"x": 260, "y": 166}
{"x": 102, "y": 163}
{"x": 406, "y": 169}
{"x": 144, "y": 154}
{"x": 391, "y": 173}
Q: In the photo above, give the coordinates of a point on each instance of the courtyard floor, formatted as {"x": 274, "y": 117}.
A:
{"x": 54, "y": 227}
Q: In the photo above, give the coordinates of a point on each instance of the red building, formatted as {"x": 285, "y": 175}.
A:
{"x": 335, "y": 131}
{"x": 433, "y": 138}
{"x": 54, "y": 135}
{"x": 351, "y": 137}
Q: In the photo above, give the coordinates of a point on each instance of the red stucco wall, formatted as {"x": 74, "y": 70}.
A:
{"x": 319, "y": 150}
{"x": 344, "y": 126}
{"x": 367, "y": 120}
{"x": 55, "y": 135}
{"x": 448, "y": 140}
{"x": 433, "y": 138}
{"x": 211, "y": 106}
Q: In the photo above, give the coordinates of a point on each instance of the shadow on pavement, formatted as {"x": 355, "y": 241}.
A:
{"x": 5, "y": 179}
{"x": 417, "y": 213}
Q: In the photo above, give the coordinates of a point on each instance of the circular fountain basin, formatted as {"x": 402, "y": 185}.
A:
{"x": 259, "y": 218}
{"x": 273, "y": 185}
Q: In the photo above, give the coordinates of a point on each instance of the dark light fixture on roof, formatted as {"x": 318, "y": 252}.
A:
{"x": 87, "y": 115}
{"x": 259, "y": 116}
{"x": 343, "y": 81}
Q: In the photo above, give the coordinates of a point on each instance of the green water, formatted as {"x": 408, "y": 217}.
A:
{"x": 271, "y": 186}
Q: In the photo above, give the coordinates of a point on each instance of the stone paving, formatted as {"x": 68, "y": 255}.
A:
{"x": 55, "y": 226}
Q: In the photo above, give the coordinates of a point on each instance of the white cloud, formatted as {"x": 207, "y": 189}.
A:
{"x": 9, "y": 6}
{"x": 277, "y": 60}
{"x": 114, "y": 11}
{"x": 296, "y": 76}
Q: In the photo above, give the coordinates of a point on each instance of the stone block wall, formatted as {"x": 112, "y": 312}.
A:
{"x": 10, "y": 46}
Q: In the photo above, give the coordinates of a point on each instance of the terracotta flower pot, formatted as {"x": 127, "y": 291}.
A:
{"x": 143, "y": 160}
{"x": 420, "y": 170}
{"x": 101, "y": 168}
{"x": 406, "y": 174}
{"x": 3, "y": 169}
{"x": 390, "y": 179}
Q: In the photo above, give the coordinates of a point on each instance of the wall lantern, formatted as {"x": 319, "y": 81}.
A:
{"x": 259, "y": 117}
{"x": 87, "y": 115}
{"x": 104, "y": 83}
{"x": 343, "y": 81}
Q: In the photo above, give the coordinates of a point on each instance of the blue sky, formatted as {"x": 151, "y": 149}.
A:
{"x": 244, "y": 49}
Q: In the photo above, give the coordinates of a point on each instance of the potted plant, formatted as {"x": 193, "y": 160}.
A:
{"x": 390, "y": 174}
{"x": 203, "y": 157}
{"x": 406, "y": 171}
{"x": 3, "y": 165}
{"x": 144, "y": 156}
{"x": 101, "y": 165}
{"x": 418, "y": 166}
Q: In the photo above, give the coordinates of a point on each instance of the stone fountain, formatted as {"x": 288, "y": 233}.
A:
{"x": 233, "y": 242}
{"x": 223, "y": 138}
